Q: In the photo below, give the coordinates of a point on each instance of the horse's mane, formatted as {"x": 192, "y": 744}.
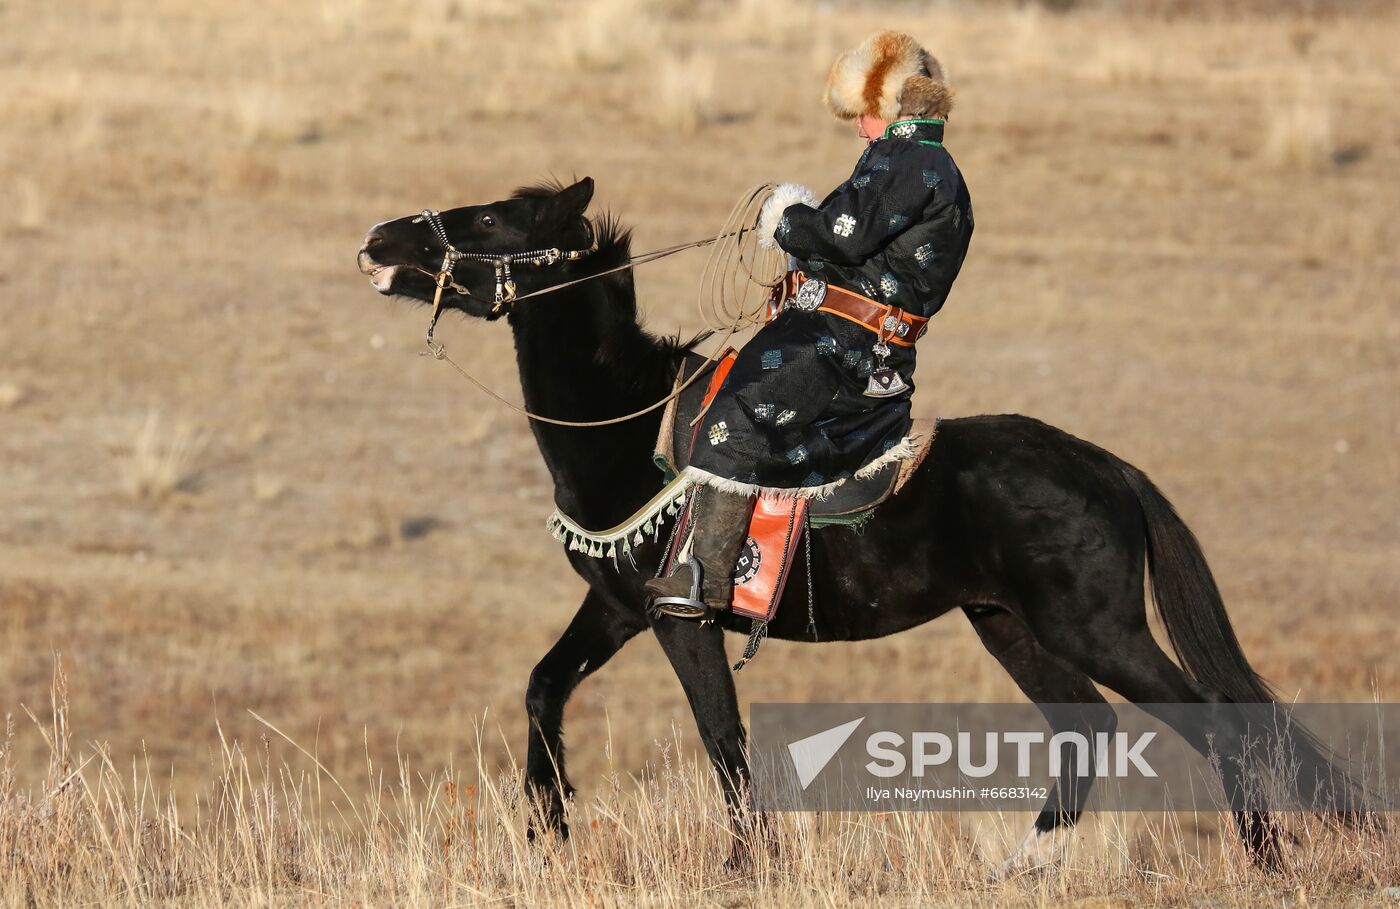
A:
{"x": 615, "y": 246}
{"x": 614, "y": 238}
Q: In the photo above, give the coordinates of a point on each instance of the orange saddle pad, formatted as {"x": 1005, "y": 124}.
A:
{"x": 762, "y": 570}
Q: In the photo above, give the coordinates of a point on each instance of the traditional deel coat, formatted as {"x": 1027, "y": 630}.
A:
{"x": 792, "y": 416}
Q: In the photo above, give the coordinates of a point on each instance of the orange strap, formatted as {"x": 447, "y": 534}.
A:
{"x": 717, "y": 379}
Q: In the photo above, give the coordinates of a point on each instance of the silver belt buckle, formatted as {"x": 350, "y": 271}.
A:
{"x": 810, "y": 295}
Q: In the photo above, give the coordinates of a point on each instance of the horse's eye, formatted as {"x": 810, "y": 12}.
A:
{"x": 487, "y": 221}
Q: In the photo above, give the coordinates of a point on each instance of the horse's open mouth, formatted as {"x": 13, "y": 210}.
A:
{"x": 381, "y": 276}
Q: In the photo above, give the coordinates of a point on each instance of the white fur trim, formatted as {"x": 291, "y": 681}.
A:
{"x": 904, "y": 448}
{"x": 704, "y": 477}
{"x": 783, "y": 195}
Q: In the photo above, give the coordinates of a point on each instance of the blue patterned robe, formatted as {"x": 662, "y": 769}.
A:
{"x": 792, "y": 415}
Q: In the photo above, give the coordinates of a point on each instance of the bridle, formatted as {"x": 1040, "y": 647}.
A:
{"x": 502, "y": 262}
{"x": 725, "y": 260}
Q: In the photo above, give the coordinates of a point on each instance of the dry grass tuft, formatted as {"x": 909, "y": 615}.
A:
{"x": 683, "y": 93}
{"x": 30, "y": 208}
{"x": 1298, "y": 136}
{"x": 162, "y": 462}
{"x": 607, "y": 34}
{"x": 12, "y": 394}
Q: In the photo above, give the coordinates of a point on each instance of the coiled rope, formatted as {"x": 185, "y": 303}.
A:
{"x": 725, "y": 297}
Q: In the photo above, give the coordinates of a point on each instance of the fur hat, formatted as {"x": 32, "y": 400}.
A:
{"x": 889, "y": 76}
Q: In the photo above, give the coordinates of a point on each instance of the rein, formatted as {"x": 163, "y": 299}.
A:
{"x": 506, "y": 296}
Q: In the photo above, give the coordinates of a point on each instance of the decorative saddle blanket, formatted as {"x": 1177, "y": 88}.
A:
{"x": 772, "y": 527}
{"x": 852, "y": 502}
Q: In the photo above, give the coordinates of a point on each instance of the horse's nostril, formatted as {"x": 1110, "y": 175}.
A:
{"x": 374, "y": 240}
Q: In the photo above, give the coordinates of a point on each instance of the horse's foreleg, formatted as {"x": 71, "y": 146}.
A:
{"x": 696, "y": 652}
{"x": 1046, "y": 679}
{"x": 598, "y": 630}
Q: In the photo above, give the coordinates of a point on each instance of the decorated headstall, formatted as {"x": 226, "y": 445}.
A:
{"x": 502, "y": 262}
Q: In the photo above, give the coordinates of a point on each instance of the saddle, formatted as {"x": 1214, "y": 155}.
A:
{"x": 777, "y": 523}
{"x": 851, "y": 504}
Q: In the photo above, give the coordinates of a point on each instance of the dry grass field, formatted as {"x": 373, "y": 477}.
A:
{"x": 229, "y": 484}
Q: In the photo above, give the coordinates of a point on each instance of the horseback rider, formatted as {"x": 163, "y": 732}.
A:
{"x": 821, "y": 393}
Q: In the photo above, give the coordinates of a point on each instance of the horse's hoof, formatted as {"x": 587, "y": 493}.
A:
{"x": 1039, "y": 853}
{"x": 1269, "y": 858}
{"x": 558, "y": 828}
{"x": 548, "y": 810}
{"x": 1264, "y": 841}
{"x": 740, "y": 861}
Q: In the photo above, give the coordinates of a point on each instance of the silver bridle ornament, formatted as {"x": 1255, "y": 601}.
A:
{"x": 505, "y": 283}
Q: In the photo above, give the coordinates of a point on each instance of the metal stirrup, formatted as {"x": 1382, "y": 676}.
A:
{"x": 691, "y": 607}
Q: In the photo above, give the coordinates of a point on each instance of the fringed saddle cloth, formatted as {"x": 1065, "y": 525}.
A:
{"x": 851, "y": 503}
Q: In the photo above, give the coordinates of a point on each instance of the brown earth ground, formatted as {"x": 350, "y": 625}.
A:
{"x": 229, "y": 483}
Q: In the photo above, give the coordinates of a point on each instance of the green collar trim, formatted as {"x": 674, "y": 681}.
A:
{"x": 932, "y": 121}
{"x": 932, "y": 126}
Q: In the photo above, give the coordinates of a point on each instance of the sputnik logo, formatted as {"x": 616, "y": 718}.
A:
{"x": 812, "y": 754}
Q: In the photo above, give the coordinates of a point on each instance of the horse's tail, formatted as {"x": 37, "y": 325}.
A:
{"x": 1189, "y": 601}
{"x": 1200, "y": 633}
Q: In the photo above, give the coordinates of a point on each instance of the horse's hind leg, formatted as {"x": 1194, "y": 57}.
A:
{"x": 1046, "y": 679}
{"x": 1138, "y": 669}
{"x": 598, "y": 630}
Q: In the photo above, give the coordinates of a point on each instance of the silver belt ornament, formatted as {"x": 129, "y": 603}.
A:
{"x": 810, "y": 295}
{"x": 884, "y": 382}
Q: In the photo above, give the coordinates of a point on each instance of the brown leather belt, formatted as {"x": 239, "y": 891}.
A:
{"x": 890, "y": 323}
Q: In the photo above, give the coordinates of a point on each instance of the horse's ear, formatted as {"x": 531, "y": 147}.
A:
{"x": 570, "y": 202}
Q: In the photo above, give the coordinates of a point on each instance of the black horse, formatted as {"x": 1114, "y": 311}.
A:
{"x": 1039, "y": 538}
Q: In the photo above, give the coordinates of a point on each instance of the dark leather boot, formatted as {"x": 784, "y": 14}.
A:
{"x": 721, "y": 526}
